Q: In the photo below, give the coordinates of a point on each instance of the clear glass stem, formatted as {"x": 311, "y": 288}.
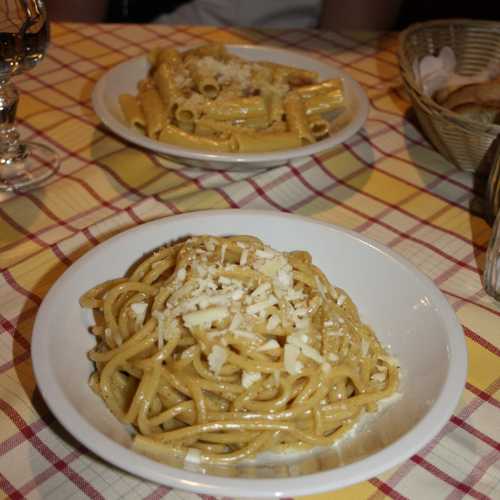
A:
{"x": 22, "y": 165}
{"x": 10, "y": 148}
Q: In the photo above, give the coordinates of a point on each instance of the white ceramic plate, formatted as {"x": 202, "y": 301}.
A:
{"x": 124, "y": 77}
{"x": 405, "y": 308}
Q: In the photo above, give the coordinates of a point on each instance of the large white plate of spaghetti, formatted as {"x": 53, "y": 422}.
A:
{"x": 410, "y": 317}
{"x": 124, "y": 79}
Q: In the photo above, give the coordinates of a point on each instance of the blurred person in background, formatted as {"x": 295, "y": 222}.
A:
{"x": 325, "y": 14}
{"x": 322, "y": 14}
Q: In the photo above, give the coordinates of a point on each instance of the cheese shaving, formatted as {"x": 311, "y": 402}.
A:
{"x": 217, "y": 358}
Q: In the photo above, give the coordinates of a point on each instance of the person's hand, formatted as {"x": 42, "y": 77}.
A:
{"x": 77, "y": 10}
{"x": 359, "y": 14}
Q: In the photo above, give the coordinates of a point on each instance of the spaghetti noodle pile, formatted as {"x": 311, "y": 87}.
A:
{"x": 216, "y": 349}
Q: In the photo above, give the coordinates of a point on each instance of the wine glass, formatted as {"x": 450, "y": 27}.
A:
{"x": 24, "y": 36}
{"x": 492, "y": 262}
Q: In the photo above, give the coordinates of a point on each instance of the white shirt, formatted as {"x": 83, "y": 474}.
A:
{"x": 249, "y": 13}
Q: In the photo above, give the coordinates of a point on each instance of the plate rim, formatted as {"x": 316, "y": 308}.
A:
{"x": 126, "y": 133}
{"x": 318, "y": 482}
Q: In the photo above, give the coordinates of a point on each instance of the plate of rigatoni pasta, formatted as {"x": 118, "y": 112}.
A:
{"x": 230, "y": 106}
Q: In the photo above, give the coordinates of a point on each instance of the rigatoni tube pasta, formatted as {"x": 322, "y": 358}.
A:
{"x": 252, "y": 101}
{"x": 216, "y": 349}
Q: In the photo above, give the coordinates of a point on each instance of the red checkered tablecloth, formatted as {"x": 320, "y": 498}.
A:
{"x": 386, "y": 182}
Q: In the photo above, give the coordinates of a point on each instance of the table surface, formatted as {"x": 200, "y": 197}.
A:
{"x": 386, "y": 182}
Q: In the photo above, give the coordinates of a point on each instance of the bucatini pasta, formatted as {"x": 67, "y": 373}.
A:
{"x": 218, "y": 348}
{"x": 208, "y": 99}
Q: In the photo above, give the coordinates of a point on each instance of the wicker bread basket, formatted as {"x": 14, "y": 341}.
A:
{"x": 476, "y": 45}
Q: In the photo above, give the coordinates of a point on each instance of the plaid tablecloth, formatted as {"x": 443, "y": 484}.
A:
{"x": 386, "y": 182}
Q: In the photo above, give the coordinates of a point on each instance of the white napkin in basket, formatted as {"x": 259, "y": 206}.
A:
{"x": 436, "y": 72}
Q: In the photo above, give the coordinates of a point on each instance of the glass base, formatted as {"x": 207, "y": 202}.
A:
{"x": 28, "y": 168}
